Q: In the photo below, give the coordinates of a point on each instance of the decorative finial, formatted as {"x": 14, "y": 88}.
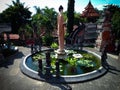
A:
{"x": 89, "y": 1}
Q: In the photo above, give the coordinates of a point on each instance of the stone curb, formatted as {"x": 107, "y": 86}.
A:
{"x": 62, "y": 79}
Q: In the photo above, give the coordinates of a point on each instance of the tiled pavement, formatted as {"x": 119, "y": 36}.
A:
{"x": 11, "y": 78}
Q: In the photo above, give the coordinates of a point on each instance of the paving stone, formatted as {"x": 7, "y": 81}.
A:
{"x": 11, "y": 77}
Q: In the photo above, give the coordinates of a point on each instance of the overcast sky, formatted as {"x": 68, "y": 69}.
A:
{"x": 79, "y": 4}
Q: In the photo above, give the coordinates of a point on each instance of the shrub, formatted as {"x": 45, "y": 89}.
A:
{"x": 54, "y": 45}
{"x": 47, "y": 40}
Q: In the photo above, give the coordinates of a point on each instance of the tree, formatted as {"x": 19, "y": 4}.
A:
{"x": 49, "y": 20}
{"x": 38, "y": 10}
{"x": 115, "y": 19}
{"x": 45, "y": 19}
{"x": 17, "y": 15}
{"x": 65, "y": 16}
{"x": 112, "y": 9}
{"x": 116, "y": 24}
{"x": 70, "y": 15}
{"x": 36, "y": 20}
{"x": 78, "y": 18}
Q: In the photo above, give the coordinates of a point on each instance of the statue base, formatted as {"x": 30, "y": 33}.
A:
{"x": 61, "y": 54}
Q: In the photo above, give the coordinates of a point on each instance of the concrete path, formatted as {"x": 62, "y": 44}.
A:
{"x": 11, "y": 78}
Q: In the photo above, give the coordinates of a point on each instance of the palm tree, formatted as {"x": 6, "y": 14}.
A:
{"x": 49, "y": 19}
{"x": 38, "y": 10}
{"x": 44, "y": 18}
{"x": 36, "y": 20}
{"x": 17, "y": 15}
{"x": 112, "y": 9}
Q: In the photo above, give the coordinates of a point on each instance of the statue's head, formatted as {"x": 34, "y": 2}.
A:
{"x": 60, "y": 8}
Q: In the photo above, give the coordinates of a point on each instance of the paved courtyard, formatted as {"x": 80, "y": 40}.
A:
{"x": 11, "y": 78}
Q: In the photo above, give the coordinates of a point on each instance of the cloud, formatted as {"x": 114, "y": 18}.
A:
{"x": 3, "y": 4}
{"x": 42, "y": 3}
{"x": 100, "y": 7}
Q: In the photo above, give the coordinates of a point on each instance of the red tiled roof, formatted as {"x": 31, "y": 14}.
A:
{"x": 89, "y": 6}
{"x": 89, "y": 11}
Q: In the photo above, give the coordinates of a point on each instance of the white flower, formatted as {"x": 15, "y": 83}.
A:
{"x": 77, "y": 55}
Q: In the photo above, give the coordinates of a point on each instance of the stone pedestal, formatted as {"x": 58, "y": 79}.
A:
{"x": 61, "y": 54}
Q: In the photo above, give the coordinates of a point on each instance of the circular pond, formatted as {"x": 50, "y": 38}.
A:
{"x": 77, "y": 66}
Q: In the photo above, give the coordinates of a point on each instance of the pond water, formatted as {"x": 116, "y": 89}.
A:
{"x": 70, "y": 66}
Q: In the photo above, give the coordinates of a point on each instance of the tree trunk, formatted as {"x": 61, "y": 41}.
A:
{"x": 70, "y": 15}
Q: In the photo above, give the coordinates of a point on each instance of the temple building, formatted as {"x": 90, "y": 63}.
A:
{"x": 90, "y": 13}
{"x": 91, "y": 33}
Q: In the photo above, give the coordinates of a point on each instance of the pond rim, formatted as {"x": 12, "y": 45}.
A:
{"x": 63, "y": 78}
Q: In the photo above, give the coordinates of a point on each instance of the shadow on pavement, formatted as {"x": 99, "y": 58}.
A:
{"x": 111, "y": 69}
{"x": 63, "y": 86}
{"x": 10, "y": 60}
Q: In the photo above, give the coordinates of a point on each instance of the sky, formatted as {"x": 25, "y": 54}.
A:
{"x": 79, "y": 4}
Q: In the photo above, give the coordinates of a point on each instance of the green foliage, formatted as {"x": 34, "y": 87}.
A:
{"x": 112, "y": 9}
{"x": 88, "y": 56}
{"x": 50, "y": 19}
{"x": 91, "y": 57}
{"x": 53, "y": 60}
{"x": 27, "y": 29}
{"x": 17, "y": 15}
{"x": 72, "y": 61}
{"x": 65, "y": 16}
{"x": 38, "y": 56}
{"x": 36, "y": 22}
{"x": 115, "y": 19}
{"x": 47, "y": 40}
{"x": 78, "y": 19}
{"x": 44, "y": 18}
{"x": 86, "y": 63}
{"x": 54, "y": 45}
{"x": 116, "y": 24}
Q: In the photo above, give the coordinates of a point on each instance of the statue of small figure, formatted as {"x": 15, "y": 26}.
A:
{"x": 60, "y": 22}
